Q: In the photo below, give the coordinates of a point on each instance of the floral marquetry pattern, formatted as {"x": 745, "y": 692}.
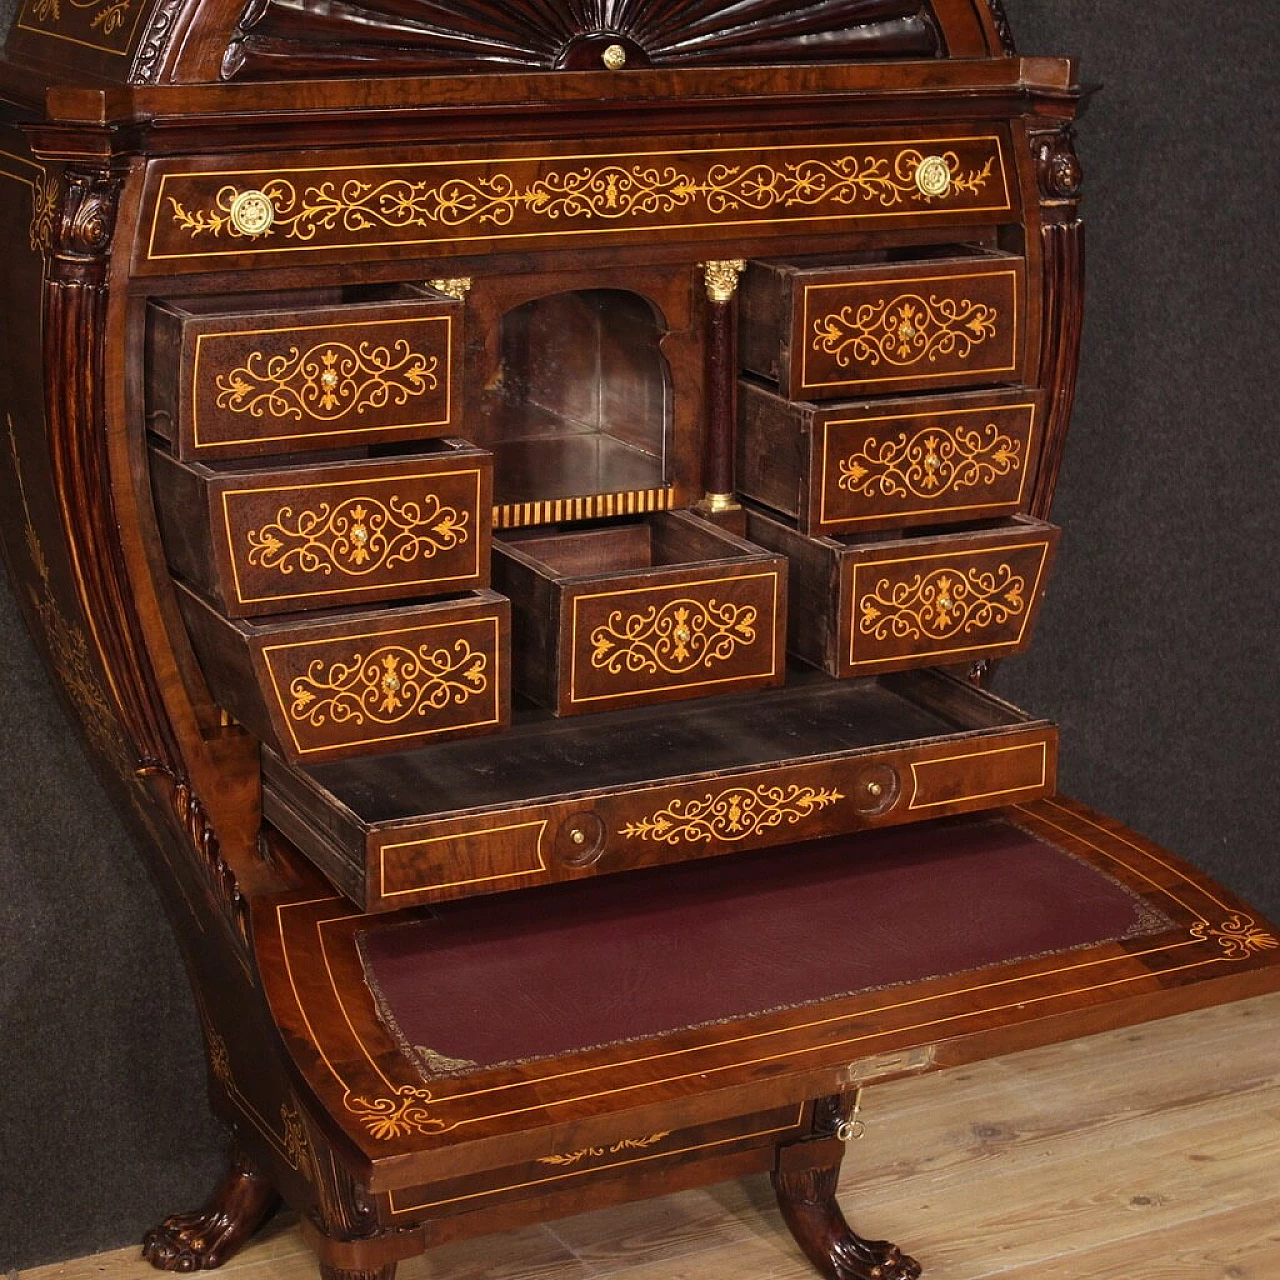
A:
{"x": 931, "y": 462}
{"x": 733, "y": 814}
{"x": 406, "y": 1113}
{"x": 389, "y": 685}
{"x": 569, "y": 1158}
{"x": 942, "y": 604}
{"x": 328, "y": 381}
{"x": 607, "y": 192}
{"x": 905, "y": 331}
{"x": 1239, "y": 936}
{"x": 357, "y": 537}
{"x": 678, "y": 637}
{"x": 103, "y": 16}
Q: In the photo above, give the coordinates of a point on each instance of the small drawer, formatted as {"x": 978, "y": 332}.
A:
{"x": 862, "y": 607}
{"x": 855, "y": 467}
{"x": 342, "y": 683}
{"x": 667, "y": 608}
{"x": 824, "y": 330}
{"x": 297, "y": 534}
{"x": 237, "y": 377}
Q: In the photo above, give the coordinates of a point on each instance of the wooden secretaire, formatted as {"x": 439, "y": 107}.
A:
{"x": 526, "y": 501}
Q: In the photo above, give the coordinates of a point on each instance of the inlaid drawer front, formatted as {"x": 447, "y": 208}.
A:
{"x": 823, "y": 332}
{"x": 234, "y": 377}
{"x": 846, "y": 467}
{"x": 283, "y": 538}
{"x": 672, "y": 608}
{"x": 547, "y": 196}
{"x": 333, "y": 685}
{"x": 915, "y": 601}
{"x": 753, "y": 809}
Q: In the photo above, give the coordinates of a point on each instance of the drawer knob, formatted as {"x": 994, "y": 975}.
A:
{"x": 614, "y": 57}
{"x": 252, "y": 213}
{"x": 580, "y": 841}
{"x": 933, "y": 177}
{"x": 876, "y": 790}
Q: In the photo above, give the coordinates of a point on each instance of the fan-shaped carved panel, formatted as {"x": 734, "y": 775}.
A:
{"x": 336, "y": 37}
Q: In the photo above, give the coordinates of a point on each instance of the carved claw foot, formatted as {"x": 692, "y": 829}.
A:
{"x": 805, "y": 1184}
{"x": 205, "y": 1239}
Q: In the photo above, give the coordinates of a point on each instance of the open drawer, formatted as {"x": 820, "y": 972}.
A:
{"x": 555, "y": 800}
{"x": 472, "y": 1057}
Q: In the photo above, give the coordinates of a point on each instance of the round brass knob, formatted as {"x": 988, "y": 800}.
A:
{"x": 875, "y": 789}
{"x": 252, "y": 213}
{"x": 614, "y": 57}
{"x": 933, "y": 177}
{"x": 578, "y": 836}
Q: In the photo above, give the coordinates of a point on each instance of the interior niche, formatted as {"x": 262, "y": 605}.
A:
{"x": 582, "y": 403}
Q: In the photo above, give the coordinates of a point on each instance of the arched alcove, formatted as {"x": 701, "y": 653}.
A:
{"x": 582, "y": 403}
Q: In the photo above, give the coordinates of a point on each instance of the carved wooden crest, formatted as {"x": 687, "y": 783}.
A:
{"x": 335, "y": 37}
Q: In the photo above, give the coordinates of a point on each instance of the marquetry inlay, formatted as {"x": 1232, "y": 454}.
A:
{"x": 943, "y": 603}
{"x": 388, "y": 685}
{"x": 677, "y": 637}
{"x": 932, "y": 462}
{"x": 565, "y": 195}
{"x": 327, "y": 381}
{"x": 358, "y": 536}
{"x": 731, "y": 814}
{"x": 904, "y": 330}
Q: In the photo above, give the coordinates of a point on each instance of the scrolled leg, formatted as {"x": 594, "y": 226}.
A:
{"x": 804, "y": 1181}
{"x": 207, "y": 1238}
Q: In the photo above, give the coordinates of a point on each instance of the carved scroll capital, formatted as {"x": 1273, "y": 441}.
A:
{"x": 454, "y": 287}
{"x": 88, "y": 213}
{"x": 722, "y": 278}
{"x": 1058, "y": 168}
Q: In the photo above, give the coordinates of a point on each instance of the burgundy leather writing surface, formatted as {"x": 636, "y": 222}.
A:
{"x": 627, "y": 957}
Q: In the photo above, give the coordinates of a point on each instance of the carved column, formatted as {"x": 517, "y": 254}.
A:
{"x": 721, "y": 280}
{"x": 75, "y": 304}
{"x": 1062, "y": 232}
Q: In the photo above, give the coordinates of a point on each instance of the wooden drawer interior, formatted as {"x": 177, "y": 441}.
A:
{"x": 561, "y": 799}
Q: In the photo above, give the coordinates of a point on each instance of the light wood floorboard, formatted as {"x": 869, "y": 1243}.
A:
{"x": 1146, "y": 1154}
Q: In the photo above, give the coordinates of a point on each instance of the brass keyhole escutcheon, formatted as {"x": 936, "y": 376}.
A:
{"x": 614, "y": 57}
{"x": 252, "y": 213}
{"x": 933, "y": 177}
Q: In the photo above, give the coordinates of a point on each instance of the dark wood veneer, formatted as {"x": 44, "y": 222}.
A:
{"x": 877, "y": 144}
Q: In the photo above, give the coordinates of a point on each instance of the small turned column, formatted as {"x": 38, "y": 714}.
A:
{"x": 722, "y": 388}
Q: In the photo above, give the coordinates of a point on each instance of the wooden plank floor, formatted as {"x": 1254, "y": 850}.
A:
{"x": 1149, "y": 1154}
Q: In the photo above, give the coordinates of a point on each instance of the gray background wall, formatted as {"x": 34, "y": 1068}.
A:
{"x": 1156, "y": 651}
